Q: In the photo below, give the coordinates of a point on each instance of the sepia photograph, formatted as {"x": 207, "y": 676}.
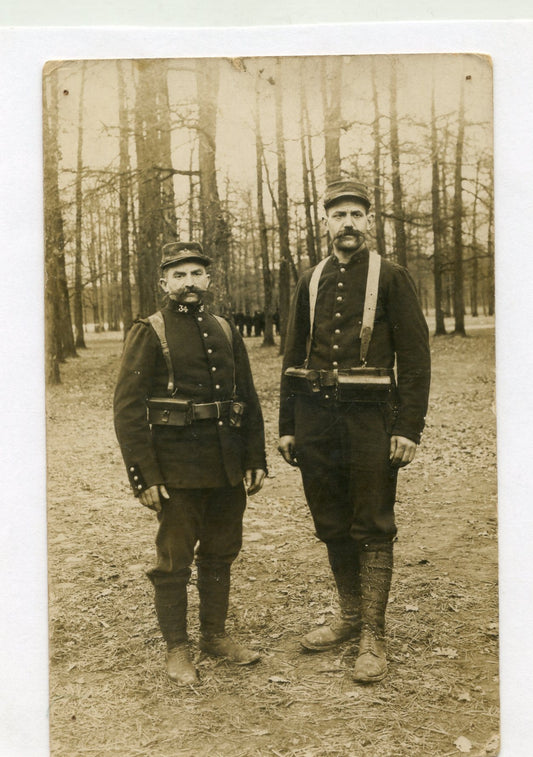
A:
{"x": 270, "y": 406}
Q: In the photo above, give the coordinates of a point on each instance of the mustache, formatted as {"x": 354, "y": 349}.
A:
{"x": 350, "y": 233}
{"x": 193, "y": 290}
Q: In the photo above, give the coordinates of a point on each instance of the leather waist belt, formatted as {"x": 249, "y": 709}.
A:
{"x": 173, "y": 412}
{"x": 347, "y": 385}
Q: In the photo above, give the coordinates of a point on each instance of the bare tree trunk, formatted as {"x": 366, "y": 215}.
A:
{"x": 166, "y": 172}
{"x": 309, "y": 235}
{"x": 123, "y": 191}
{"x": 314, "y": 194}
{"x": 458, "y": 274}
{"x": 146, "y": 142}
{"x": 475, "y": 259}
{"x": 283, "y": 214}
{"x": 331, "y": 100}
{"x": 78, "y": 288}
{"x": 95, "y": 298}
{"x": 215, "y": 235}
{"x": 380, "y": 227}
{"x": 53, "y": 229}
{"x": 62, "y": 344}
{"x": 191, "y": 196}
{"x": 397, "y": 193}
{"x": 112, "y": 266}
{"x": 100, "y": 273}
{"x": 440, "y": 327}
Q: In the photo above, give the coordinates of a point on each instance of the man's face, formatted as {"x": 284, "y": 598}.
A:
{"x": 346, "y": 221}
{"x": 186, "y": 282}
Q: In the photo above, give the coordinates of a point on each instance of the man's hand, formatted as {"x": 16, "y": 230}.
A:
{"x": 253, "y": 479}
{"x": 151, "y": 497}
{"x": 402, "y": 451}
{"x": 287, "y": 448}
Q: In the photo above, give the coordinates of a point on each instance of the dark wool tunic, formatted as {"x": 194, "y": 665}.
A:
{"x": 208, "y": 453}
{"x": 400, "y": 335}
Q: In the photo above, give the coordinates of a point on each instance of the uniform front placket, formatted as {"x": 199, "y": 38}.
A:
{"x": 339, "y": 307}
{"x": 210, "y": 351}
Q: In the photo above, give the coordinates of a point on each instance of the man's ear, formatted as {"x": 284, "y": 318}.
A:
{"x": 163, "y": 284}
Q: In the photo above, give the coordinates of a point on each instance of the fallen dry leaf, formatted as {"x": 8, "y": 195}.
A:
{"x": 463, "y": 744}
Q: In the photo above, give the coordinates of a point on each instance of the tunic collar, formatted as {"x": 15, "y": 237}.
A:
{"x": 178, "y": 307}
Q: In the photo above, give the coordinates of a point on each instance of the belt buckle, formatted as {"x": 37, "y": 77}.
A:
{"x": 219, "y": 408}
{"x": 165, "y": 415}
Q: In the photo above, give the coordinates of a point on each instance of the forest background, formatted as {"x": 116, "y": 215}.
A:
{"x": 235, "y": 153}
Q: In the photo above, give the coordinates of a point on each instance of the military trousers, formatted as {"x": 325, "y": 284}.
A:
{"x": 208, "y": 521}
{"x": 343, "y": 451}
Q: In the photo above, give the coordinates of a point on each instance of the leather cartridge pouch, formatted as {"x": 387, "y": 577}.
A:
{"x": 303, "y": 381}
{"x": 167, "y": 411}
{"x": 373, "y": 385}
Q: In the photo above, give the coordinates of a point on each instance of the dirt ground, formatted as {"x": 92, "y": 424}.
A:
{"x": 109, "y": 694}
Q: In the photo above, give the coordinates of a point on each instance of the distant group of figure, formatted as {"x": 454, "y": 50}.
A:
{"x": 254, "y": 325}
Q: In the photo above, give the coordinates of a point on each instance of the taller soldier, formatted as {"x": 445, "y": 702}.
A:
{"x": 346, "y": 422}
{"x": 190, "y": 429}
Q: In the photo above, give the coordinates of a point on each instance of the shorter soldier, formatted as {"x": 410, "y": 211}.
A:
{"x": 190, "y": 428}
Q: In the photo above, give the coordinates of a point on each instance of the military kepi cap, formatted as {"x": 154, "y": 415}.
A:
{"x": 349, "y": 188}
{"x": 180, "y": 252}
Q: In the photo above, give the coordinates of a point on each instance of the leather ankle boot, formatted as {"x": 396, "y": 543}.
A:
{"x": 222, "y": 645}
{"x": 371, "y": 663}
{"x": 180, "y": 668}
{"x": 331, "y": 636}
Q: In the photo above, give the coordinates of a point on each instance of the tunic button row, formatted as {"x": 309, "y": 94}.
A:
{"x": 209, "y": 351}
{"x": 340, "y": 284}
{"x": 205, "y": 334}
{"x": 335, "y": 364}
{"x": 213, "y": 368}
{"x": 337, "y": 331}
{"x": 217, "y": 386}
{"x": 339, "y": 298}
{"x": 221, "y": 423}
{"x": 337, "y": 315}
{"x": 342, "y": 270}
{"x": 335, "y": 346}
{"x": 200, "y": 319}
{"x": 139, "y": 487}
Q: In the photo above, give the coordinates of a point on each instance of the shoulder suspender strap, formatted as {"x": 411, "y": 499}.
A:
{"x": 371, "y": 298}
{"x": 313, "y": 292}
{"x": 158, "y": 324}
{"x": 226, "y": 328}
